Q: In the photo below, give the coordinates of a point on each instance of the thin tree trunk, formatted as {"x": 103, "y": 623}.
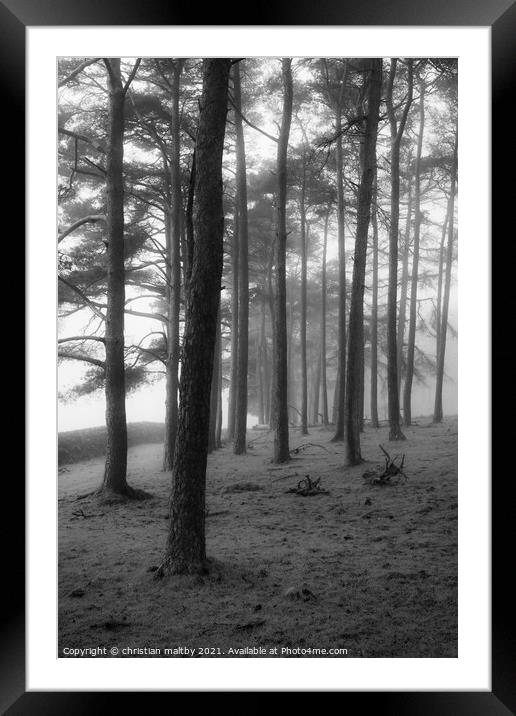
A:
{"x": 302, "y": 331}
{"x": 266, "y": 372}
{"x": 186, "y": 544}
{"x": 362, "y": 390}
{"x": 340, "y": 386}
{"x": 374, "y": 315}
{"x": 116, "y": 448}
{"x": 281, "y": 443}
{"x": 271, "y": 301}
{"x": 214, "y": 391}
{"x": 356, "y": 314}
{"x": 404, "y": 288}
{"x": 438, "y": 405}
{"x": 243, "y": 270}
{"x": 324, "y": 386}
{"x": 395, "y": 432}
{"x": 234, "y": 327}
{"x": 291, "y": 383}
{"x": 316, "y": 389}
{"x": 259, "y": 375}
{"x": 218, "y": 431}
{"x": 173, "y": 274}
{"x": 407, "y": 393}
{"x": 438, "y": 309}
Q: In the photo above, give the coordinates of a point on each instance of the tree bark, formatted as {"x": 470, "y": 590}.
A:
{"x": 404, "y": 288}
{"x": 259, "y": 373}
{"x": 186, "y": 543}
{"x": 234, "y": 327}
{"x": 316, "y": 389}
{"x": 438, "y": 405}
{"x": 214, "y": 391}
{"x": 395, "y": 432}
{"x": 281, "y": 442}
{"x": 266, "y": 371}
{"x": 218, "y": 430}
{"x": 356, "y": 314}
{"x": 302, "y": 331}
{"x": 374, "y": 315}
{"x": 324, "y": 386}
{"x": 243, "y": 270}
{"x": 411, "y": 342}
{"x": 173, "y": 273}
{"x": 340, "y": 386}
{"x": 440, "y": 278}
{"x": 115, "y": 472}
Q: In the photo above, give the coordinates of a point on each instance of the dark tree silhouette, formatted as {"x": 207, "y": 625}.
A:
{"x": 115, "y": 473}
{"x": 397, "y": 130}
{"x": 243, "y": 273}
{"x": 280, "y": 401}
{"x": 186, "y": 546}
{"x": 173, "y": 270}
{"x": 354, "y": 395}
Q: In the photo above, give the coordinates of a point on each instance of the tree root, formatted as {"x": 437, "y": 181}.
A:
{"x": 176, "y": 566}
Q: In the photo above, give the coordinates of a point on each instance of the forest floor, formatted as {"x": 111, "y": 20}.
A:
{"x": 366, "y": 568}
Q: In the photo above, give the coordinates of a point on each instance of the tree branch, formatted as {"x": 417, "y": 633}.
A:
{"x": 86, "y": 300}
{"x": 92, "y": 218}
{"x": 132, "y": 74}
{"x": 82, "y": 357}
{"x": 77, "y": 71}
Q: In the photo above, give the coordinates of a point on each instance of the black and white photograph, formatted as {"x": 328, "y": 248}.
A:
{"x": 257, "y": 288}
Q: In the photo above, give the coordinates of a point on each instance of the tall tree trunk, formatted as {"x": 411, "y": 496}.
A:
{"x": 404, "y": 288}
{"x": 291, "y": 383}
{"x": 218, "y": 431}
{"x": 302, "y": 331}
{"x": 234, "y": 326}
{"x": 316, "y": 389}
{"x": 281, "y": 444}
{"x": 339, "y": 404}
{"x": 395, "y": 432}
{"x": 259, "y": 375}
{"x": 243, "y": 282}
{"x": 438, "y": 405}
{"x": 438, "y": 310}
{"x": 173, "y": 273}
{"x": 214, "y": 391}
{"x": 324, "y": 386}
{"x": 272, "y": 304}
{"x": 186, "y": 544}
{"x": 374, "y": 314}
{"x": 407, "y": 392}
{"x": 362, "y": 390}
{"x": 356, "y": 314}
{"x": 116, "y": 448}
{"x": 265, "y": 362}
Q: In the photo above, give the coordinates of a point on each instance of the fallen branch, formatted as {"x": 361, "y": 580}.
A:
{"x": 391, "y": 469}
{"x": 297, "y": 450}
{"x": 308, "y": 488}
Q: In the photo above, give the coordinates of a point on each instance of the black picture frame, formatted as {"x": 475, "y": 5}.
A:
{"x": 500, "y": 15}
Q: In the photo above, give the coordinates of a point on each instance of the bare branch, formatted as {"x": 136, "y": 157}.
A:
{"x": 85, "y": 220}
{"x": 132, "y": 74}
{"x": 77, "y": 71}
{"x": 82, "y": 357}
{"x": 81, "y": 338}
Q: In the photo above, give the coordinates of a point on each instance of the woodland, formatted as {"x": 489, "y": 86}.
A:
{"x": 273, "y": 242}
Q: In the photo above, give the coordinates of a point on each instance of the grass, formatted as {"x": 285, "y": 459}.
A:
{"x": 77, "y": 445}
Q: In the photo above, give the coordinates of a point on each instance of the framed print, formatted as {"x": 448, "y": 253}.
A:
{"x": 203, "y": 205}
